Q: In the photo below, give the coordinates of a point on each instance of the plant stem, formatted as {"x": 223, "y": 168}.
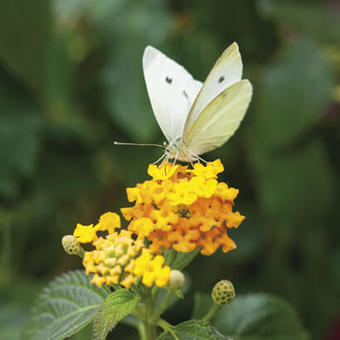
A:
{"x": 156, "y": 315}
{"x": 167, "y": 327}
{"x": 147, "y": 331}
{"x": 212, "y": 311}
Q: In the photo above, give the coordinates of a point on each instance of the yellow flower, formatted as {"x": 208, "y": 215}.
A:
{"x": 181, "y": 194}
{"x": 163, "y": 172}
{"x": 142, "y": 227}
{"x": 120, "y": 258}
{"x": 109, "y": 222}
{"x": 209, "y": 171}
{"x": 133, "y": 194}
{"x": 84, "y": 233}
{"x": 87, "y": 233}
{"x": 152, "y": 270}
{"x": 203, "y": 187}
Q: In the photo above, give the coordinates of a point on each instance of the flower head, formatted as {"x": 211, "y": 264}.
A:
{"x": 184, "y": 209}
{"x": 120, "y": 257}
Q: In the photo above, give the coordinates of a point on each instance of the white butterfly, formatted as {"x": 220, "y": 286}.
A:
{"x": 194, "y": 117}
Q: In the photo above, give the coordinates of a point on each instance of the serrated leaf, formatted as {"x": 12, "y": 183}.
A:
{"x": 65, "y": 306}
{"x": 115, "y": 307}
{"x": 193, "y": 330}
{"x": 260, "y": 317}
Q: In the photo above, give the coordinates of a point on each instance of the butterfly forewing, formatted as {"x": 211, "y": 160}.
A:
{"x": 226, "y": 71}
{"x": 172, "y": 91}
{"x": 220, "y": 119}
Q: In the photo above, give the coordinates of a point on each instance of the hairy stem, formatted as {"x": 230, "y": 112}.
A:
{"x": 212, "y": 311}
{"x": 157, "y": 313}
{"x": 167, "y": 327}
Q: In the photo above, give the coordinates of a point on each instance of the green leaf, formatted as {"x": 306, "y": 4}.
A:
{"x": 65, "y": 306}
{"x": 24, "y": 34}
{"x": 179, "y": 294}
{"x": 193, "y": 330}
{"x": 260, "y": 317}
{"x": 115, "y": 307}
{"x": 184, "y": 259}
{"x": 296, "y": 88}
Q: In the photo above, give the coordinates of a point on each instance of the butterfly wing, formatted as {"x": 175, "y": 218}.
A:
{"x": 172, "y": 91}
{"x": 220, "y": 119}
{"x": 226, "y": 71}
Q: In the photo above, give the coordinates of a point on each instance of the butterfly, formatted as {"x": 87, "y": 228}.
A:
{"x": 196, "y": 118}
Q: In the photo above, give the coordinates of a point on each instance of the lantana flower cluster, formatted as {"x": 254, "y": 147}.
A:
{"x": 179, "y": 207}
{"x": 184, "y": 209}
{"x": 118, "y": 258}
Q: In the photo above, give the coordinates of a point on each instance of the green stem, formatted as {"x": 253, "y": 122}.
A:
{"x": 156, "y": 315}
{"x": 212, "y": 311}
{"x": 167, "y": 328}
{"x": 147, "y": 331}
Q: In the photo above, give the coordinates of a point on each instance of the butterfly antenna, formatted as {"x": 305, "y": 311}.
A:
{"x": 138, "y": 144}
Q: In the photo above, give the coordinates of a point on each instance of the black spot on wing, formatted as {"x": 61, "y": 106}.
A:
{"x": 185, "y": 95}
{"x": 220, "y": 79}
{"x": 168, "y": 80}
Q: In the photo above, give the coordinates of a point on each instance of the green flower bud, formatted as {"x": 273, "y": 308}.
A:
{"x": 71, "y": 245}
{"x": 176, "y": 279}
{"x": 223, "y": 292}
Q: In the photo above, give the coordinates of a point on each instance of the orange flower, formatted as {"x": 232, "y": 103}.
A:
{"x": 185, "y": 209}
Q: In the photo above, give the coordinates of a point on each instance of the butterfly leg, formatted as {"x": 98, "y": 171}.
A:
{"x": 198, "y": 158}
{"x": 164, "y": 163}
{"x": 175, "y": 160}
{"x": 160, "y": 158}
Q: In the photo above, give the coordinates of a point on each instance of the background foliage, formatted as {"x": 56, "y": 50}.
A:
{"x": 71, "y": 82}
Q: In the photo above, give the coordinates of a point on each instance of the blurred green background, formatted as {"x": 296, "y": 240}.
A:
{"x": 71, "y": 82}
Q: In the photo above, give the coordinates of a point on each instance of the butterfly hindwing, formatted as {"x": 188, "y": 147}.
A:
{"x": 219, "y": 119}
{"x": 226, "y": 72}
{"x": 172, "y": 91}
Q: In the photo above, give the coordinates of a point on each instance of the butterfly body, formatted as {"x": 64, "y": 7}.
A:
{"x": 194, "y": 117}
{"x": 177, "y": 150}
